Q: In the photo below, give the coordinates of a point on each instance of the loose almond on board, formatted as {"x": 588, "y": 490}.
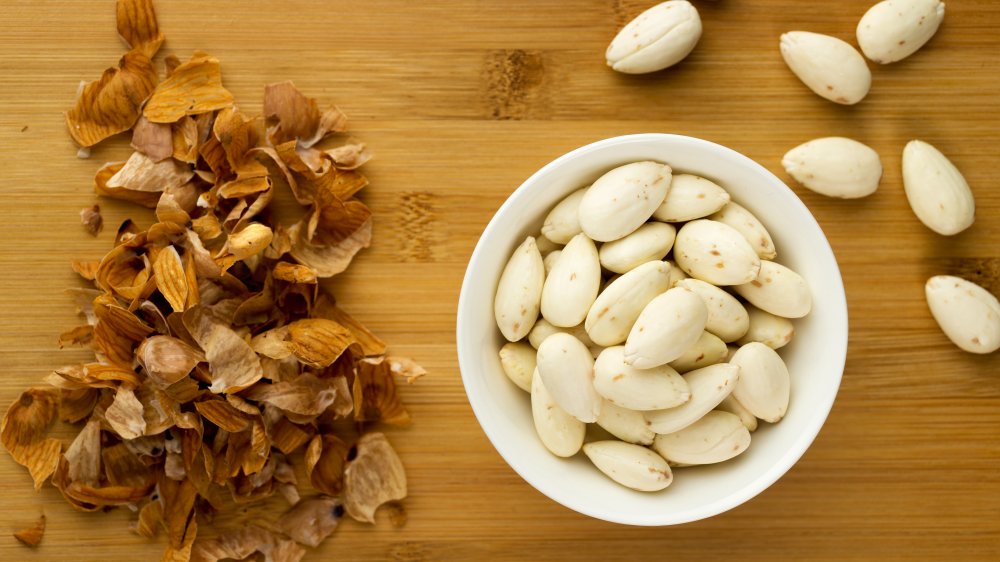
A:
{"x": 936, "y": 190}
{"x": 835, "y": 167}
{"x": 895, "y": 29}
{"x": 826, "y": 65}
{"x": 658, "y": 38}
{"x": 967, "y": 313}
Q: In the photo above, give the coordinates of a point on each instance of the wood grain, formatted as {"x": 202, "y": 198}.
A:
{"x": 461, "y": 101}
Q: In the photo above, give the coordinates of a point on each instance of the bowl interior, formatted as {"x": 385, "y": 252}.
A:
{"x": 815, "y": 357}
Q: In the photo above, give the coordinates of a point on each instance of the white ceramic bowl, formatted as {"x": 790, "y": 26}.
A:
{"x": 815, "y": 357}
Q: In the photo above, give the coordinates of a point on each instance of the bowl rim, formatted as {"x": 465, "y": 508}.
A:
{"x": 478, "y": 400}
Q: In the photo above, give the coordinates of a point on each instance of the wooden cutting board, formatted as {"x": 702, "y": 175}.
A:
{"x": 461, "y": 101}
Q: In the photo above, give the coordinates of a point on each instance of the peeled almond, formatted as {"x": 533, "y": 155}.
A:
{"x": 567, "y": 370}
{"x": 690, "y": 197}
{"x": 778, "y": 290}
{"x": 894, "y": 29}
{"x": 716, "y": 253}
{"x": 658, "y": 38}
{"x": 623, "y": 199}
{"x": 749, "y": 226}
{"x": 519, "y": 291}
{"x": 967, "y": 313}
{"x": 831, "y": 68}
{"x": 550, "y": 260}
{"x": 618, "y": 306}
{"x": 733, "y": 406}
{"x": 709, "y": 386}
{"x": 546, "y": 246}
{"x": 518, "y": 363}
{"x": 572, "y": 285}
{"x": 665, "y": 329}
{"x": 630, "y": 465}
{"x": 676, "y": 274}
{"x": 764, "y": 385}
{"x": 717, "y": 437}
{"x": 835, "y": 167}
{"x": 727, "y": 318}
{"x": 936, "y": 190}
{"x": 544, "y": 329}
{"x": 560, "y": 433}
{"x": 637, "y": 389}
{"x": 628, "y": 425}
{"x": 651, "y": 241}
{"x": 563, "y": 221}
{"x": 708, "y": 350}
{"x": 773, "y": 331}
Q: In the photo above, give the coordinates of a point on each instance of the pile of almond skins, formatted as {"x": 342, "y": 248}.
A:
{"x": 217, "y": 355}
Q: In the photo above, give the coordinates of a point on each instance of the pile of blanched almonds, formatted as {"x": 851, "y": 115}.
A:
{"x": 620, "y": 335}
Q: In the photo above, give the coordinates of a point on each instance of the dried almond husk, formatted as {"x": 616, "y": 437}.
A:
{"x": 193, "y": 87}
{"x": 110, "y": 104}
{"x": 150, "y": 519}
{"x": 294, "y": 273}
{"x": 23, "y": 432}
{"x": 85, "y": 268}
{"x": 167, "y": 359}
{"x": 302, "y": 399}
{"x": 298, "y": 117}
{"x": 83, "y": 457}
{"x": 375, "y": 396}
{"x": 325, "y": 458}
{"x": 374, "y": 477}
{"x": 311, "y": 520}
{"x": 79, "y": 336}
{"x": 31, "y": 536}
{"x": 233, "y": 364}
{"x": 331, "y": 237}
{"x": 142, "y": 173}
{"x": 318, "y": 342}
{"x": 137, "y": 26}
{"x": 125, "y": 414}
{"x": 90, "y": 218}
{"x": 155, "y": 140}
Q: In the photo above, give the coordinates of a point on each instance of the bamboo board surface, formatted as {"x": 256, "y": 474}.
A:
{"x": 461, "y": 101}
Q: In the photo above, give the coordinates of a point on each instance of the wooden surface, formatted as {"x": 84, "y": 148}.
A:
{"x": 461, "y": 101}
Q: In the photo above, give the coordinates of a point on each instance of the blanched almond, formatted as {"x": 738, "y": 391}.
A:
{"x": 894, "y": 29}
{"x": 658, "y": 38}
{"x": 676, "y": 274}
{"x": 741, "y": 219}
{"x": 563, "y": 221}
{"x": 630, "y": 465}
{"x": 828, "y": 66}
{"x": 733, "y": 406}
{"x": 550, "y": 260}
{"x": 628, "y": 425}
{"x": 651, "y": 241}
{"x": 773, "y": 331}
{"x": 519, "y": 291}
{"x": 708, "y": 350}
{"x": 709, "y": 386}
{"x": 617, "y": 307}
{"x": 544, "y": 329}
{"x": 727, "y": 318}
{"x": 835, "y": 167}
{"x": 967, "y": 313}
{"x": 561, "y": 433}
{"x": 936, "y": 190}
{"x": 778, "y": 290}
{"x": 571, "y": 287}
{"x": 567, "y": 370}
{"x": 666, "y": 328}
{"x": 716, "y": 253}
{"x": 717, "y": 437}
{"x": 690, "y": 197}
{"x": 764, "y": 385}
{"x": 637, "y": 389}
{"x": 546, "y": 246}
{"x": 623, "y": 199}
{"x": 518, "y": 362}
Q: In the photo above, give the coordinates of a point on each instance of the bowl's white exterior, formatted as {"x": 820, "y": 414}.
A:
{"x": 815, "y": 357}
